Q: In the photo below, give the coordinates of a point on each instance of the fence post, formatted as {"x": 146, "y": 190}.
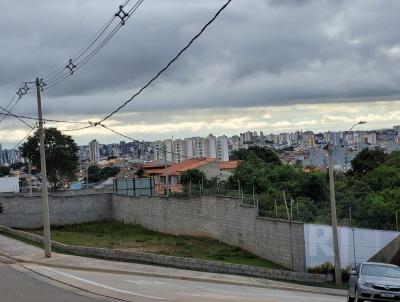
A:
{"x": 287, "y": 209}
{"x": 199, "y": 188}
{"x": 276, "y": 210}
{"x": 291, "y": 244}
{"x": 190, "y": 189}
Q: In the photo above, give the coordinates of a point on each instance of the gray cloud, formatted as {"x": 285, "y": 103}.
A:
{"x": 258, "y": 53}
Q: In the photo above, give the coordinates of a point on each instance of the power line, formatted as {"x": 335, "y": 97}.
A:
{"x": 22, "y": 140}
{"x": 169, "y": 64}
{"x": 87, "y": 53}
{"x": 11, "y": 114}
{"x": 45, "y": 120}
{"x": 86, "y": 47}
{"x": 78, "y": 129}
{"x": 59, "y": 76}
{"x": 144, "y": 143}
{"x": 22, "y": 91}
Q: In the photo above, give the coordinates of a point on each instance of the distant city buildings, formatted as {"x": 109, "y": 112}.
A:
{"x": 94, "y": 151}
{"x": 299, "y": 147}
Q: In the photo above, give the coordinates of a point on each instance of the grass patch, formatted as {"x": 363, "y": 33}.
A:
{"x": 116, "y": 235}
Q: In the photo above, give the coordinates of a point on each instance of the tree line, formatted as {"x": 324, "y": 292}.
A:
{"x": 369, "y": 192}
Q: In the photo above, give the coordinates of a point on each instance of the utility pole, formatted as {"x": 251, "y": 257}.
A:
{"x": 30, "y": 178}
{"x": 354, "y": 240}
{"x": 166, "y": 172}
{"x": 338, "y": 273}
{"x": 87, "y": 175}
{"x": 45, "y": 195}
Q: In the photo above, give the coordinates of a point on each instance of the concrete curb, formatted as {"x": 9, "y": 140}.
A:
{"x": 280, "y": 286}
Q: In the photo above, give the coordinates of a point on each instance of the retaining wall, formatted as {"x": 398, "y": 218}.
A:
{"x": 26, "y": 212}
{"x": 225, "y": 219}
{"x": 221, "y": 218}
{"x": 177, "y": 262}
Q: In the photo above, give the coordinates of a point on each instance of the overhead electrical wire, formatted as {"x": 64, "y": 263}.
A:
{"x": 78, "y": 129}
{"x": 146, "y": 144}
{"x": 158, "y": 74}
{"x": 60, "y": 75}
{"x": 86, "y": 47}
{"x": 22, "y": 91}
{"x": 22, "y": 140}
{"x": 168, "y": 65}
{"x": 82, "y": 62}
{"x": 44, "y": 120}
{"x": 99, "y": 123}
{"x": 13, "y": 115}
{"x": 96, "y": 44}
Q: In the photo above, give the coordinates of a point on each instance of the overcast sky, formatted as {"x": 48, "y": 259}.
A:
{"x": 271, "y": 65}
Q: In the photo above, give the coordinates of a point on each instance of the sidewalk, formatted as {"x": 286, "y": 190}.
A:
{"x": 22, "y": 252}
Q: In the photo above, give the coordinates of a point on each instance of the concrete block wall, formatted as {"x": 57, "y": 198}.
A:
{"x": 221, "y": 218}
{"x": 26, "y": 212}
{"x": 172, "y": 261}
{"x": 225, "y": 219}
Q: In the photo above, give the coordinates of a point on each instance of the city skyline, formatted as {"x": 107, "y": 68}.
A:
{"x": 374, "y": 122}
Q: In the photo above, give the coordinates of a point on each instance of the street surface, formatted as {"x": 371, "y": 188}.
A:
{"x": 17, "y": 286}
{"x": 30, "y": 285}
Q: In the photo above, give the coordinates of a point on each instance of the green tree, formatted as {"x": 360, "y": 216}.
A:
{"x": 314, "y": 186}
{"x": 193, "y": 175}
{"x": 61, "y": 155}
{"x": 4, "y": 171}
{"x": 384, "y": 177}
{"x": 97, "y": 174}
{"x": 16, "y": 166}
{"x": 393, "y": 159}
{"x": 140, "y": 172}
{"x": 252, "y": 172}
{"x": 366, "y": 161}
{"x": 380, "y": 207}
{"x": 267, "y": 155}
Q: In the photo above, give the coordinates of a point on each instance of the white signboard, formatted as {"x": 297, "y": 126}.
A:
{"x": 9, "y": 184}
{"x": 356, "y": 245}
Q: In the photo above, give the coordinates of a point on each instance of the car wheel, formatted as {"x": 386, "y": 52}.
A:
{"x": 357, "y": 299}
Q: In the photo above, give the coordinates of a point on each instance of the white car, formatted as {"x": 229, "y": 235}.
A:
{"x": 374, "y": 282}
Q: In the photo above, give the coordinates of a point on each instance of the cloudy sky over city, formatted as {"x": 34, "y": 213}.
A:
{"x": 270, "y": 65}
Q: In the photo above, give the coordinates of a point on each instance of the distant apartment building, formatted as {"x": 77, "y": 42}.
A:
{"x": 247, "y": 137}
{"x": 211, "y": 146}
{"x": 94, "y": 151}
{"x": 308, "y": 139}
{"x": 179, "y": 150}
{"x": 234, "y": 143}
{"x": 223, "y": 148}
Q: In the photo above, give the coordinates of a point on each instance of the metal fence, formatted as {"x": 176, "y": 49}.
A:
{"x": 198, "y": 191}
{"x": 134, "y": 187}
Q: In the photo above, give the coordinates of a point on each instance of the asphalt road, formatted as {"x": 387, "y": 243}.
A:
{"x": 146, "y": 289}
{"x": 22, "y": 286}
